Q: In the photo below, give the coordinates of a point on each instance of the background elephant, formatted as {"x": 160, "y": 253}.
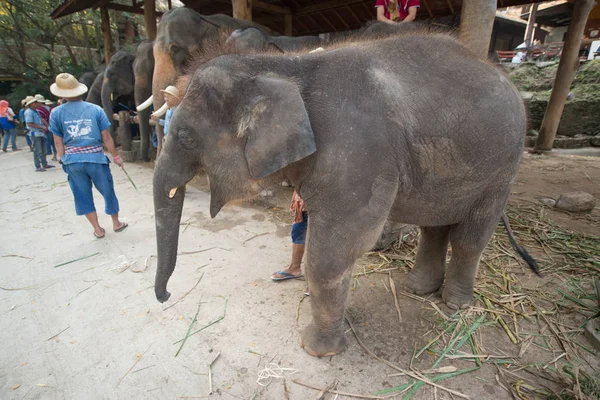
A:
{"x": 143, "y": 69}
{"x": 253, "y": 39}
{"x": 366, "y": 133}
{"x": 94, "y": 94}
{"x": 182, "y": 32}
{"x": 87, "y": 78}
{"x": 118, "y": 84}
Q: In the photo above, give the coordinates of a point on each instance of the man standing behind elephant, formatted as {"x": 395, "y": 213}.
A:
{"x": 392, "y": 11}
{"x": 80, "y": 128}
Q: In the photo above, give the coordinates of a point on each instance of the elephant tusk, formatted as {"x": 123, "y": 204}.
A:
{"x": 111, "y": 97}
{"x": 145, "y": 104}
{"x": 161, "y": 111}
{"x": 172, "y": 192}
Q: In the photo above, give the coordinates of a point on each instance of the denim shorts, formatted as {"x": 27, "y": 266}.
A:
{"x": 299, "y": 230}
{"x": 81, "y": 176}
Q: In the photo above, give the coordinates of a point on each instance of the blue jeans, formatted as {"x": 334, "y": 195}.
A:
{"x": 39, "y": 151}
{"x": 12, "y": 135}
{"x": 299, "y": 230}
{"x": 81, "y": 176}
{"x": 28, "y": 140}
{"x": 50, "y": 147}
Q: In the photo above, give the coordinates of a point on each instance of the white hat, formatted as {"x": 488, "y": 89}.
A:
{"x": 39, "y": 97}
{"x": 172, "y": 90}
{"x": 26, "y": 99}
{"x": 49, "y": 102}
{"x": 31, "y": 101}
{"x": 67, "y": 86}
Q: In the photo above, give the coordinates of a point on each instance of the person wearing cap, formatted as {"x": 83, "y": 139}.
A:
{"x": 80, "y": 128}
{"x": 172, "y": 99}
{"x": 22, "y": 119}
{"x": 7, "y": 122}
{"x": 38, "y": 130}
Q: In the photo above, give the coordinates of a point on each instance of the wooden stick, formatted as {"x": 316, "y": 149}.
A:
{"x": 412, "y": 375}
{"x": 210, "y": 373}
{"x": 393, "y": 288}
{"x": 59, "y": 333}
{"x": 358, "y": 396}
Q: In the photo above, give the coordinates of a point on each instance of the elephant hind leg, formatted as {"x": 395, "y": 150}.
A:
{"x": 427, "y": 275}
{"x": 468, "y": 240}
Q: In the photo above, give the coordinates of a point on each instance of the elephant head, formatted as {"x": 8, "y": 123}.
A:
{"x": 118, "y": 81}
{"x": 245, "y": 132}
{"x": 143, "y": 68}
{"x": 182, "y": 33}
{"x": 94, "y": 95}
{"x": 250, "y": 40}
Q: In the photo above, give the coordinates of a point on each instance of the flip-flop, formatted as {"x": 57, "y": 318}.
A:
{"x": 122, "y": 227}
{"x": 306, "y": 292}
{"x": 100, "y": 236}
{"x": 285, "y": 276}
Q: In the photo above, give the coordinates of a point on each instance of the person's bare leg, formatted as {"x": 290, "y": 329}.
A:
{"x": 295, "y": 267}
{"x": 115, "y": 220}
{"x": 93, "y": 218}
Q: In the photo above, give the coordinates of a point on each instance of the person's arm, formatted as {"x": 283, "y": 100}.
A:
{"x": 35, "y": 126}
{"x": 412, "y": 14}
{"x": 60, "y": 147}
{"x": 110, "y": 146}
{"x": 381, "y": 16}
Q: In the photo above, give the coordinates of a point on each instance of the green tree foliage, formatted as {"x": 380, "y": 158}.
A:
{"x": 35, "y": 48}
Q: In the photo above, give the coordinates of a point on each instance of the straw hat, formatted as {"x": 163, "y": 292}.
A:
{"x": 26, "y": 99}
{"x": 39, "y": 98}
{"x": 172, "y": 90}
{"x": 48, "y": 102}
{"x": 31, "y": 100}
{"x": 67, "y": 86}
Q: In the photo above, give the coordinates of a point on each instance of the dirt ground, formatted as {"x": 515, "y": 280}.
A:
{"x": 92, "y": 328}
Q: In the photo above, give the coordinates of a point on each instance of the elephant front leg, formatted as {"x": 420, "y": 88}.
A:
{"x": 427, "y": 275}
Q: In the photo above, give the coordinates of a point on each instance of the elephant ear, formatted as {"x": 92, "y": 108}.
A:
{"x": 276, "y": 127}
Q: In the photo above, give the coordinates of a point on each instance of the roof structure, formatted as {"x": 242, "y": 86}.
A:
{"x": 309, "y": 17}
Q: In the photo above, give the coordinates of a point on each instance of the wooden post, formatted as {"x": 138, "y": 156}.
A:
{"x": 242, "y": 9}
{"x": 150, "y": 18}
{"x": 531, "y": 25}
{"x": 108, "y": 45}
{"x": 476, "y": 24}
{"x": 569, "y": 61}
{"x": 288, "y": 24}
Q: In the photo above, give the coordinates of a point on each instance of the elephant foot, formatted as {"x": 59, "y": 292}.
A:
{"x": 457, "y": 299}
{"x": 423, "y": 285}
{"x": 319, "y": 344}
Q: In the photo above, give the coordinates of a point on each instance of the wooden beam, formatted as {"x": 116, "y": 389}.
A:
{"x": 108, "y": 44}
{"x": 313, "y": 8}
{"x": 242, "y": 9}
{"x": 288, "y": 25}
{"x": 450, "y": 6}
{"x": 150, "y": 18}
{"x": 354, "y": 15}
{"x": 531, "y": 25}
{"x": 569, "y": 61}
{"x": 428, "y": 9}
{"x": 272, "y": 8}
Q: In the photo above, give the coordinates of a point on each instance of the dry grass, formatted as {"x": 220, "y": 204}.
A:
{"x": 547, "y": 314}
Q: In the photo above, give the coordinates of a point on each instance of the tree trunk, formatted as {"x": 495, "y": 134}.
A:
{"x": 476, "y": 25}
{"x": 129, "y": 33}
{"x": 71, "y": 36}
{"x": 150, "y": 18}
{"x": 567, "y": 67}
{"x": 86, "y": 43}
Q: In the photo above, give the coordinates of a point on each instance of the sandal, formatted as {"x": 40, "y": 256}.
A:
{"x": 285, "y": 276}
{"x": 100, "y": 236}
{"x": 122, "y": 227}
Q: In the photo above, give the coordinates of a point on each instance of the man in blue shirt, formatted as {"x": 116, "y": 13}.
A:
{"x": 80, "y": 128}
{"x": 38, "y": 131}
{"x": 22, "y": 120}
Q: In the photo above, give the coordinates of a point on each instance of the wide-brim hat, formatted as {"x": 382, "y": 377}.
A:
{"x": 172, "y": 90}
{"x": 48, "y": 102}
{"x": 31, "y": 101}
{"x": 67, "y": 85}
{"x": 26, "y": 99}
{"x": 40, "y": 98}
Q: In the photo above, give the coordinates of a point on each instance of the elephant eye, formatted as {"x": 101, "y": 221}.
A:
{"x": 186, "y": 138}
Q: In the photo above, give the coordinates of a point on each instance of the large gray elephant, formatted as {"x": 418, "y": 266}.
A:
{"x": 94, "y": 94}
{"x": 182, "y": 32}
{"x": 87, "y": 78}
{"x": 143, "y": 69}
{"x": 413, "y": 129}
{"x": 253, "y": 39}
{"x": 118, "y": 84}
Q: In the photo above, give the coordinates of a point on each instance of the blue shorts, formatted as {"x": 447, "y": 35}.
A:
{"x": 81, "y": 176}
{"x": 299, "y": 230}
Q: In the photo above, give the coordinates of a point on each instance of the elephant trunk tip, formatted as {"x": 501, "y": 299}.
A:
{"x": 162, "y": 295}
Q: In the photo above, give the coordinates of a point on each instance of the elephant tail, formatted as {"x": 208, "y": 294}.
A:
{"x": 522, "y": 252}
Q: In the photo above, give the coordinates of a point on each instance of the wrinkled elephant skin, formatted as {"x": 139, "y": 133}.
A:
{"x": 367, "y": 132}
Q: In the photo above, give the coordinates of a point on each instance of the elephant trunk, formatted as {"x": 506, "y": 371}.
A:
{"x": 108, "y": 105}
